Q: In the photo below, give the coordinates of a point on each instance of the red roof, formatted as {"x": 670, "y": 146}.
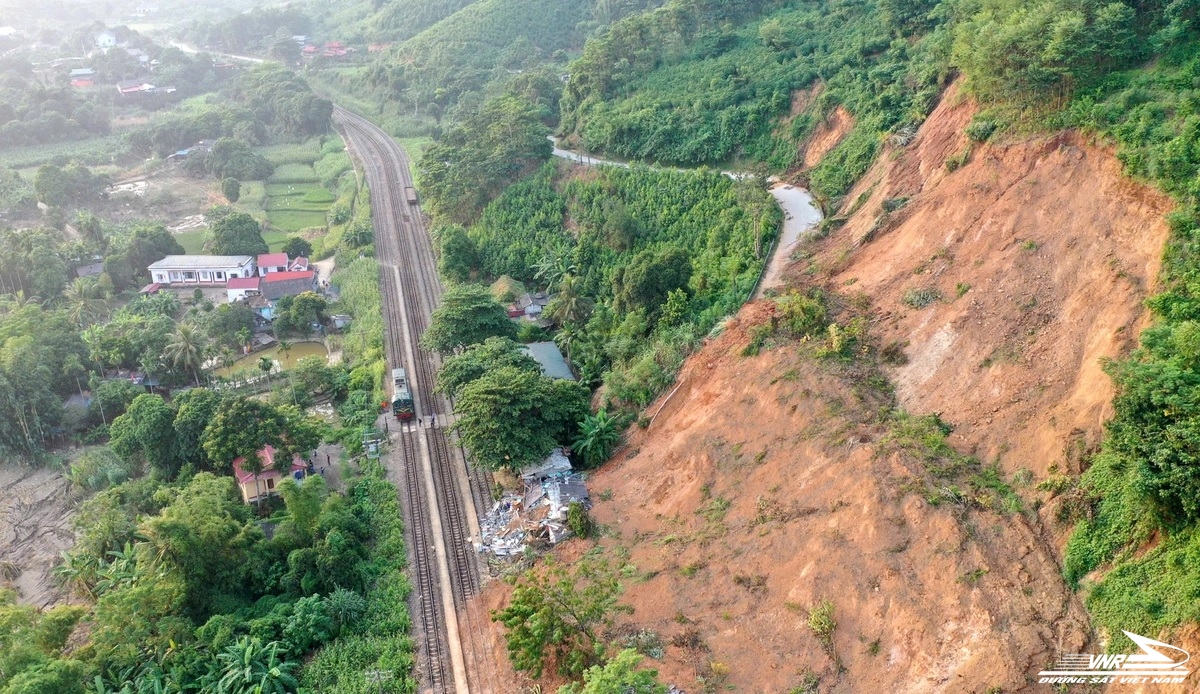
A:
{"x": 150, "y": 288}
{"x": 267, "y": 455}
{"x": 284, "y": 276}
{"x": 273, "y": 260}
{"x": 81, "y": 83}
{"x": 299, "y": 264}
{"x": 242, "y": 283}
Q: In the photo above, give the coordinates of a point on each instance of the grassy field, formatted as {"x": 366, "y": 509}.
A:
{"x": 305, "y": 153}
{"x": 292, "y": 206}
{"x": 414, "y": 147}
{"x": 192, "y": 241}
{"x": 293, "y": 173}
{"x": 90, "y": 152}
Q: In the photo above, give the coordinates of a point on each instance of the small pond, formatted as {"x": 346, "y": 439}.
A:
{"x": 296, "y": 352}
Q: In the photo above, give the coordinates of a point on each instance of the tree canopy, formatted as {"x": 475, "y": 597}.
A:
{"x": 510, "y": 417}
{"x": 236, "y": 233}
{"x": 467, "y": 315}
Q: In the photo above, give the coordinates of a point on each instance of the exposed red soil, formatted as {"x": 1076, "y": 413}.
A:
{"x": 827, "y": 135}
{"x": 1053, "y": 252}
{"x": 1059, "y": 252}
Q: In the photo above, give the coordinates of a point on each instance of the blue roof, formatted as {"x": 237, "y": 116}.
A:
{"x": 550, "y": 359}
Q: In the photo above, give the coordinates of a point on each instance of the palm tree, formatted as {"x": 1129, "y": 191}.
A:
{"x": 83, "y": 306}
{"x": 252, "y": 668}
{"x": 186, "y": 349}
{"x": 254, "y": 465}
{"x": 18, "y": 300}
{"x": 553, "y": 267}
{"x": 265, "y": 365}
{"x": 565, "y": 338}
{"x": 569, "y": 305}
{"x": 285, "y": 348}
{"x": 244, "y": 336}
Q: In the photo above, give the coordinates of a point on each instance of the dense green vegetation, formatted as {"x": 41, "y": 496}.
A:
{"x": 189, "y": 595}
{"x": 655, "y": 258}
{"x": 36, "y": 112}
{"x": 384, "y": 20}
{"x": 1143, "y": 481}
{"x": 266, "y": 103}
{"x": 699, "y": 81}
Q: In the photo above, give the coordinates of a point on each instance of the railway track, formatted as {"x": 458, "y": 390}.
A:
{"x": 432, "y": 460}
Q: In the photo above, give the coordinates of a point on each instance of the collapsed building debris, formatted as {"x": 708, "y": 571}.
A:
{"x": 537, "y": 516}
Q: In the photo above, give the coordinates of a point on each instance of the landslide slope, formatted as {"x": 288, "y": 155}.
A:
{"x": 1035, "y": 258}
{"x": 769, "y": 483}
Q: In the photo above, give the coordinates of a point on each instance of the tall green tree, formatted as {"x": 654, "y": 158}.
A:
{"x": 458, "y": 256}
{"x": 468, "y": 315}
{"x": 242, "y": 427}
{"x": 145, "y": 434}
{"x": 297, "y": 247}
{"x": 231, "y": 188}
{"x": 476, "y": 360}
{"x": 194, "y": 410}
{"x": 237, "y": 233}
{"x": 510, "y": 417}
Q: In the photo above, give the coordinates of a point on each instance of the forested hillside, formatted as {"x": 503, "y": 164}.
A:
{"x": 697, "y": 82}
{"x": 470, "y": 51}
{"x": 381, "y": 22}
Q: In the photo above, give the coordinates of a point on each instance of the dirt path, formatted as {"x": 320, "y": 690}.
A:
{"x": 800, "y": 213}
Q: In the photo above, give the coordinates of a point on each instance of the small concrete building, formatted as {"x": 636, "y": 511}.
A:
{"x": 239, "y": 288}
{"x": 253, "y": 489}
{"x": 201, "y": 269}
{"x": 272, "y": 262}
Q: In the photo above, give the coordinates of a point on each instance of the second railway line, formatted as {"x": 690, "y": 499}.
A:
{"x": 442, "y": 496}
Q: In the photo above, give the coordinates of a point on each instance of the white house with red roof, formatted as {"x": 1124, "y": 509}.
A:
{"x": 266, "y": 482}
{"x": 272, "y": 262}
{"x": 240, "y": 288}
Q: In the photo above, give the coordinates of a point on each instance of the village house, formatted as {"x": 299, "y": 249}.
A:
{"x": 277, "y": 285}
{"x": 201, "y": 147}
{"x": 265, "y": 484}
{"x": 105, "y": 39}
{"x": 240, "y": 288}
{"x": 272, "y": 262}
{"x": 134, "y": 87}
{"x": 201, "y": 269}
{"x": 94, "y": 269}
{"x": 529, "y": 305}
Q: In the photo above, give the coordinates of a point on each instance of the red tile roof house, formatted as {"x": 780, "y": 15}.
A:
{"x": 263, "y": 487}
{"x": 272, "y": 262}
{"x": 238, "y": 288}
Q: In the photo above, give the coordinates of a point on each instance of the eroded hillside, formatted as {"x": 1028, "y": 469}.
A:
{"x": 769, "y": 483}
